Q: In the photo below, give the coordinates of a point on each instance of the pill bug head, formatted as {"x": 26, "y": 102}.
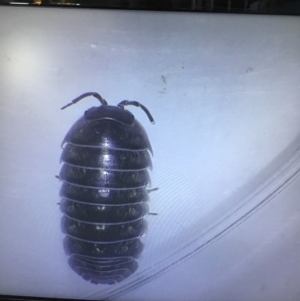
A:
{"x": 110, "y": 127}
{"x": 109, "y": 113}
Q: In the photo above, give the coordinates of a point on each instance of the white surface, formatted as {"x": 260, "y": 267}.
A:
{"x": 224, "y": 92}
{"x": 258, "y": 260}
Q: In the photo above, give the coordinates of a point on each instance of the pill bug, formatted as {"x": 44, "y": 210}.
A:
{"x": 106, "y": 157}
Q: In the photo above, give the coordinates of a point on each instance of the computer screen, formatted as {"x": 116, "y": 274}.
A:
{"x": 219, "y": 166}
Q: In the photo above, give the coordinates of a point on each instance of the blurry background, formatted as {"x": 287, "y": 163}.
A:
{"x": 224, "y": 92}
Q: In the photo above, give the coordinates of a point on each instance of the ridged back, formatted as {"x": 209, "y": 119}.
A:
{"x": 104, "y": 194}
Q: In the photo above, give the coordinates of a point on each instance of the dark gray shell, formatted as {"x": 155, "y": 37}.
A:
{"x": 104, "y": 193}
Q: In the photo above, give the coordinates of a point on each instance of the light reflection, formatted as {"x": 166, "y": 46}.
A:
{"x": 39, "y": 2}
{"x": 24, "y": 58}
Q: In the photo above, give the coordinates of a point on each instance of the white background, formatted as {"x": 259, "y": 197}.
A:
{"x": 224, "y": 92}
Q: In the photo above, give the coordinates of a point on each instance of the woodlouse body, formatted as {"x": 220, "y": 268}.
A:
{"x": 104, "y": 192}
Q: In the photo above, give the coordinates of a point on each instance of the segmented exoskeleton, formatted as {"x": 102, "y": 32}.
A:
{"x": 106, "y": 157}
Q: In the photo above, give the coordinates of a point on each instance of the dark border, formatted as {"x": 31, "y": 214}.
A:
{"x": 270, "y": 7}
